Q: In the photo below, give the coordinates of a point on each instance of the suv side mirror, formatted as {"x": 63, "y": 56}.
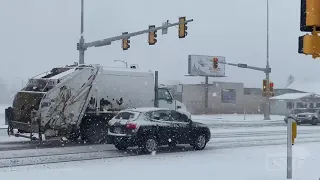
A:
{"x": 169, "y": 100}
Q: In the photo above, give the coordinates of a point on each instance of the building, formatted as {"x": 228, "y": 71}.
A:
{"x": 223, "y": 97}
{"x": 285, "y": 103}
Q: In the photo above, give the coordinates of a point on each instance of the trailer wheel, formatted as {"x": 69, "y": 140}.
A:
{"x": 94, "y": 132}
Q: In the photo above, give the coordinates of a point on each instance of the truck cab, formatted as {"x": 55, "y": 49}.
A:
{"x": 166, "y": 99}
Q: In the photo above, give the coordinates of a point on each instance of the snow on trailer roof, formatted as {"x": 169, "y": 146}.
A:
{"x": 292, "y": 96}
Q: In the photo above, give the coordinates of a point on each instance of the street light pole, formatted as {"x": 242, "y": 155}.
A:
{"x": 267, "y": 106}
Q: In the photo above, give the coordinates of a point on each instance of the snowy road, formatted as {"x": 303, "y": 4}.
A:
{"x": 221, "y": 139}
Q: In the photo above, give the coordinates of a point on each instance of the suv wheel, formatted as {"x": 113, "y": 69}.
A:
{"x": 200, "y": 142}
{"x": 149, "y": 144}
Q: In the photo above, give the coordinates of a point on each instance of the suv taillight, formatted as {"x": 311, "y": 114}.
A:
{"x": 131, "y": 126}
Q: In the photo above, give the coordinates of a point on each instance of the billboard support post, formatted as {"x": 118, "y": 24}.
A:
{"x": 206, "y": 93}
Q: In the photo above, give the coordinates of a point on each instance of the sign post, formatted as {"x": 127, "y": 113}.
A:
{"x": 289, "y": 148}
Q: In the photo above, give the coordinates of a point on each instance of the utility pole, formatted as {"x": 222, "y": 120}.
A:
{"x": 82, "y": 46}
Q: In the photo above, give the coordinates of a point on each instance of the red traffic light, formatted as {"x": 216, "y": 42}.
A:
{"x": 271, "y": 84}
{"x": 215, "y": 63}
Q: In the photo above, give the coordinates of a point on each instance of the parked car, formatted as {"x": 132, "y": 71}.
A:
{"x": 310, "y": 116}
{"x": 294, "y": 113}
{"x": 149, "y": 128}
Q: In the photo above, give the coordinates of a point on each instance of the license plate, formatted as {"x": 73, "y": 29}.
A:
{"x": 117, "y": 130}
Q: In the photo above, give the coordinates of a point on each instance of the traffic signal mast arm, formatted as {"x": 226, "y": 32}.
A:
{"x": 267, "y": 89}
{"x": 265, "y": 70}
{"x": 108, "y": 41}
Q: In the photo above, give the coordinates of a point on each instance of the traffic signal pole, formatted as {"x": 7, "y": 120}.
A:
{"x": 81, "y": 50}
{"x": 267, "y": 101}
{"x": 82, "y": 46}
{"x": 267, "y": 71}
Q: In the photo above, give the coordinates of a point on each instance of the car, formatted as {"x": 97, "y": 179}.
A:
{"x": 310, "y": 116}
{"x": 149, "y": 128}
{"x": 294, "y": 113}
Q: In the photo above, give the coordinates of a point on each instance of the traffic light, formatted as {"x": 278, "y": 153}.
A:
{"x": 271, "y": 89}
{"x": 182, "y": 27}
{"x": 309, "y": 44}
{"x": 310, "y": 15}
{"x": 215, "y": 63}
{"x": 152, "y": 36}
{"x": 264, "y": 87}
{"x": 125, "y": 42}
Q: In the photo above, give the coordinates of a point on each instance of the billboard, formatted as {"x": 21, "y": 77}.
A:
{"x": 202, "y": 65}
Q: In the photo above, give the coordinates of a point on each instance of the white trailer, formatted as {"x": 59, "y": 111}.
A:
{"x": 78, "y": 101}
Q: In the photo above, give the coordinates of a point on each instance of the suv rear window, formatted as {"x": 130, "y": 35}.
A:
{"x": 127, "y": 115}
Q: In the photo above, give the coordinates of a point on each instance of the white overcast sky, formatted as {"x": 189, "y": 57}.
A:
{"x": 37, "y": 35}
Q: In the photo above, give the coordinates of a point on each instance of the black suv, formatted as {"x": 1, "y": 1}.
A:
{"x": 149, "y": 128}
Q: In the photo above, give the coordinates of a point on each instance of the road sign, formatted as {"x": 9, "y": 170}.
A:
{"x": 165, "y": 30}
{"x": 202, "y": 65}
{"x": 242, "y": 65}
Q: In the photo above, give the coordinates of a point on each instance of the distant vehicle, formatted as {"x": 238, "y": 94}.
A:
{"x": 148, "y": 128}
{"x": 293, "y": 113}
{"x": 310, "y": 116}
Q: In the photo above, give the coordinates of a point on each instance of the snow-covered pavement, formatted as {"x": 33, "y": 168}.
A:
{"x": 16, "y": 154}
{"x": 251, "y": 163}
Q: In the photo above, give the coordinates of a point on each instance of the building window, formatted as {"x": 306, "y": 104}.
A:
{"x": 290, "y": 105}
{"x": 317, "y": 105}
{"x": 228, "y": 96}
{"x": 311, "y": 105}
